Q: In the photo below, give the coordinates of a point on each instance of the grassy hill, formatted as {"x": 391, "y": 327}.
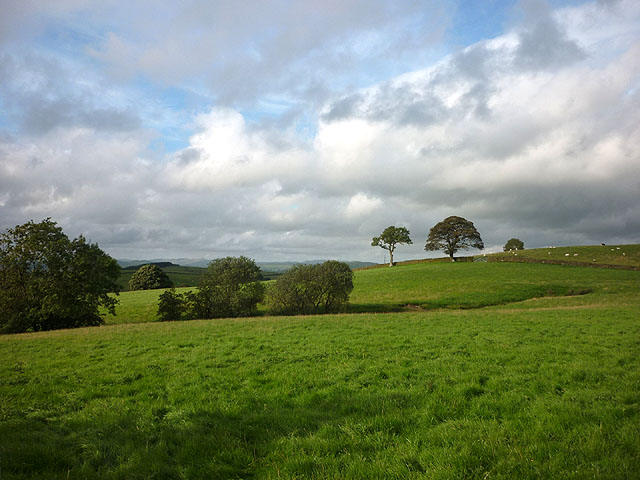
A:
{"x": 542, "y": 382}
{"x": 595, "y": 255}
{"x": 180, "y": 276}
{"x": 434, "y": 285}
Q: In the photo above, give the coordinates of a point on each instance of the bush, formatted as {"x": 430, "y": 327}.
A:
{"x": 307, "y": 289}
{"x": 230, "y": 287}
{"x": 49, "y": 282}
{"x": 149, "y": 277}
{"x": 171, "y": 306}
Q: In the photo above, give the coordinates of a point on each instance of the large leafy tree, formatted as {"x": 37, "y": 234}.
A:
{"x": 453, "y": 234}
{"x": 306, "y": 289}
{"x": 390, "y": 238}
{"x": 229, "y": 287}
{"x": 149, "y": 277}
{"x": 48, "y": 281}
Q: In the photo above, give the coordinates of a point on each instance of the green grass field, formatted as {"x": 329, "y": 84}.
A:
{"x": 179, "y": 275}
{"x": 543, "y": 382}
{"x": 627, "y": 255}
{"x": 441, "y": 285}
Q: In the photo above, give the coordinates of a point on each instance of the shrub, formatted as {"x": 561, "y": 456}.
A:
{"x": 149, "y": 277}
{"x": 230, "y": 287}
{"x": 306, "y": 289}
{"x": 172, "y": 306}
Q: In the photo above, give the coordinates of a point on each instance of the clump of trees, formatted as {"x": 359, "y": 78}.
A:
{"x": 48, "y": 281}
{"x": 229, "y": 287}
{"x": 513, "y": 244}
{"x": 453, "y": 234}
{"x": 390, "y": 238}
{"x": 149, "y": 277}
{"x": 307, "y": 289}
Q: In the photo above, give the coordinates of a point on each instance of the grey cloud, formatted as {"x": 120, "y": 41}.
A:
{"x": 39, "y": 95}
{"x": 543, "y": 44}
{"x": 241, "y": 50}
{"x": 343, "y": 108}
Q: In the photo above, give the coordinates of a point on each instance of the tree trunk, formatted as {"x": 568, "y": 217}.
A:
{"x": 451, "y": 257}
{"x": 391, "y": 258}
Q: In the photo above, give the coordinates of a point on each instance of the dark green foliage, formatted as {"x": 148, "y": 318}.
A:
{"x": 149, "y": 277}
{"x": 49, "y": 282}
{"x": 513, "y": 244}
{"x": 307, "y": 289}
{"x": 453, "y": 234}
{"x": 389, "y": 238}
{"x": 229, "y": 287}
{"x": 171, "y": 306}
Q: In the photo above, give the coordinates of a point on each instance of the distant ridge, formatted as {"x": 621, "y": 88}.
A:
{"x": 202, "y": 262}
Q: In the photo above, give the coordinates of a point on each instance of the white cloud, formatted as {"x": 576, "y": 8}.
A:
{"x": 543, "y": 149}
{"x": 361, "y": 205}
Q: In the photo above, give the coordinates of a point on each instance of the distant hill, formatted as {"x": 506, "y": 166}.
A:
{"x": 202, "y": 262}
{"x": 159, "y": 264}
{"x": 284, "y": 266}
{"x": 187, "y": 274}
{"x": 184, "y": 262}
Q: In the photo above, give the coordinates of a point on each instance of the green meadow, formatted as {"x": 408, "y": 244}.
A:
{"x": 439, "y": 370}
{"x": 624, "y": 255}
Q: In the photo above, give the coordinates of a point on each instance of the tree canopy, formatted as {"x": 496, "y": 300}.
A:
{"x": 453, "y": 234}
{"x": 513, "y": 244}
{"x": 230, "y": 287}
{"x": 149, "y": 277}
{"x": 306, "y": 289}
{"x": 390, "y": 238}
{"x": 49, "y": 282}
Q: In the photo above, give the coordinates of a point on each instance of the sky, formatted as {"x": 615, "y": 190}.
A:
{"x": 290, "y": 131}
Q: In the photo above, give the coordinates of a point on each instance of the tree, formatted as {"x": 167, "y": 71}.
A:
{"x": 389, "y": 238}
{"x": 171, "y": 306}
{"x": 513, "y": 244}
{"x": 149, "y": 277}
{"x": 49, "y": 282}
{"x": 230, "y": 287}
{"x": 306, "y": 289}
{"x": 452, "y": 234}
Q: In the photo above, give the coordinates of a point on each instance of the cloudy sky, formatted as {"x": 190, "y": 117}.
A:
{"x": 293, "y": 130}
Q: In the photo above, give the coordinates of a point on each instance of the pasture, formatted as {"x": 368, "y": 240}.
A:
{"x": 543, "y": 381}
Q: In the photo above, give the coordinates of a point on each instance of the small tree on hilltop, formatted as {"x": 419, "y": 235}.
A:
{"x": 149, "y": 277}
{"x": 389, "y": 238}
{"x": 452, "y": 234}
{"x": 513, "y": 244}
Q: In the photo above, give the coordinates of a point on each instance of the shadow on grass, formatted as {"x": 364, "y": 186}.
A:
{"x": 167, "y": 442}
{"x": 472, "y": 300}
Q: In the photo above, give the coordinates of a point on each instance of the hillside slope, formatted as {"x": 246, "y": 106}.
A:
{"x": 627, "y": 256}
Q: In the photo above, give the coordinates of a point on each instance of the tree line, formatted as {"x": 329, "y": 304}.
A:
{"x": 232, "y": 287}
{"x": 450, "y": 235}
{"x": 48, "y": 281}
